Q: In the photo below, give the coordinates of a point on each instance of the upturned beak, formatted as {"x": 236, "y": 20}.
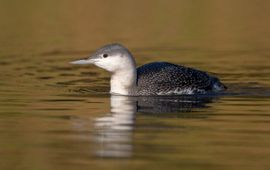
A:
{"x": 83, "y": 61}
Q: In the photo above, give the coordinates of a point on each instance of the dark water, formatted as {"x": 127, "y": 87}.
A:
{"x": 57, "y": 116}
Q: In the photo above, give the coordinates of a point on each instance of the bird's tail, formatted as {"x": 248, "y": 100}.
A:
{"x": 218, "y": 86}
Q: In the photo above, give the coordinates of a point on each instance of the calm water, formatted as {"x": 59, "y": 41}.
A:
{"x": 57, "y": 116}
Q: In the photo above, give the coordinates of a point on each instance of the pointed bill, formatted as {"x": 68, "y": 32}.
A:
{"x": 83, "y": 61}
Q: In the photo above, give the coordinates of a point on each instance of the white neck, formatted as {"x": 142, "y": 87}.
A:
{"x": 123, "y": 81}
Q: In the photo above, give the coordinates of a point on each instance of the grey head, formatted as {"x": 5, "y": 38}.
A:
{"x": 111, "y": 57}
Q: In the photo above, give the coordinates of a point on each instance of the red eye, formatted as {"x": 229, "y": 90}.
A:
{"x": 105, "y": 55}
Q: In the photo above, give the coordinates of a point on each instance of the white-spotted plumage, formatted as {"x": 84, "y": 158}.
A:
{"x": 157, "y": 78}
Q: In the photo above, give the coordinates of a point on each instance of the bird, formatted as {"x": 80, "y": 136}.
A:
{"x": 152, "y": 79}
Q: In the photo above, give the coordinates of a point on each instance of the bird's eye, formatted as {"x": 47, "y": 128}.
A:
{"x": 105, "y": 55}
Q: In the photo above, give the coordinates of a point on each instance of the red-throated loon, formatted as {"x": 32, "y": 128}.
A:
{"x": 157, "y": 78}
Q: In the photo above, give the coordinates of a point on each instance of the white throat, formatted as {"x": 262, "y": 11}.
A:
{"x": 123, "y": 81}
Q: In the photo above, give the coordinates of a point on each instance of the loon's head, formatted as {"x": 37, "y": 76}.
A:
{"x": 112, "y": 57}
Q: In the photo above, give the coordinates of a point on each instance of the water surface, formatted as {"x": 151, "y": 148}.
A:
{"x": 58, "y": 116}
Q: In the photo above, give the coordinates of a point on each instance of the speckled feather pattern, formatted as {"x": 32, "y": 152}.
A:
{"x": 162, "y": 78}
{"x": 157, "y": 78}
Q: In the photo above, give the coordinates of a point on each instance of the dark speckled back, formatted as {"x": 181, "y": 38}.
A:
{"x": 163, "y": 77}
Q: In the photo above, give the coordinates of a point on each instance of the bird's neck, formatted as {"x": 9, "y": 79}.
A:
{"x": 123, "y": 81}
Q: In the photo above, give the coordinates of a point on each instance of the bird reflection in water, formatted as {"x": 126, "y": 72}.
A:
{"x": 114, "y": 132}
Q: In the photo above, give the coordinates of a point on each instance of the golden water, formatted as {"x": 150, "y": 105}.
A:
{"x": 57, "y": 116}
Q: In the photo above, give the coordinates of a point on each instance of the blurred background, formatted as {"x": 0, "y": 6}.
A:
{"x": 47, "y": 106}
{"x": 35, "y": 26}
